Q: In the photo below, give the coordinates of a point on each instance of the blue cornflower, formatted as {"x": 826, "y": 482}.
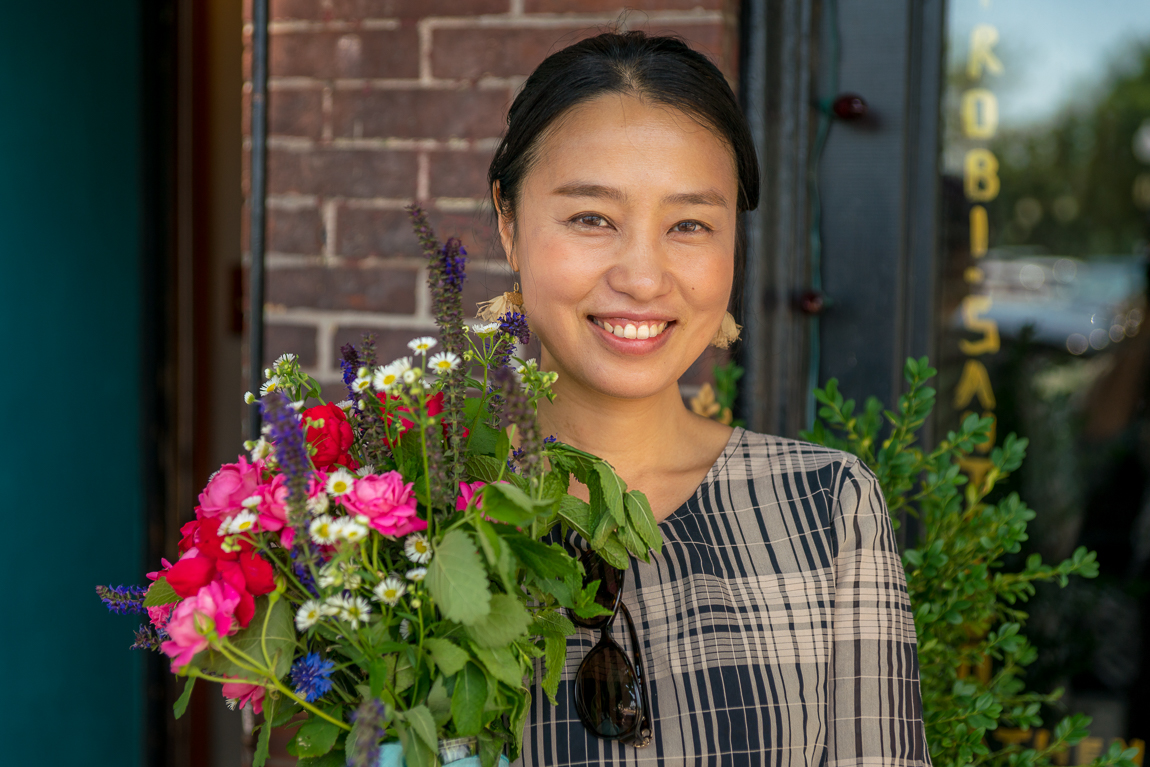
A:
{"x": 123, "y": 600}
{"x": 311, "y": 675}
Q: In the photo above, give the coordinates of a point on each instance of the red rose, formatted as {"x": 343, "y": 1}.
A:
{"x": 191, "y": 574}
{"x": 333, "y": 439}
{"x": 434, "y": 408}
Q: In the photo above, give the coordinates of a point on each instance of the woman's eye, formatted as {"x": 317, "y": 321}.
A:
{"x": 590, "y": 219}
{"x": 689, "y": 227}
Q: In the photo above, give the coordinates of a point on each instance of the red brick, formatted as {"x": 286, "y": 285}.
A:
{"x": 297, "y": 339}
{"x": 295, "y": 113}
{"x": 366, "y": 53}
{"x": 420, "y": 114}
{"x": 616, "y": 7}
{"x": 388, "y": 234}
{"x": 510, "y": 51}
{"x": 352, "y": 10}
{"x": 343, "y": 172}
{"x": 295, "y": 231}
{"x": 389, "y": 344}
{"x": 344, "y": 289}
{"x": 459, "y": 174}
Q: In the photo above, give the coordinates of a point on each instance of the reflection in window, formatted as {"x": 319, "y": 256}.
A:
{"x": 1046, "y": 205}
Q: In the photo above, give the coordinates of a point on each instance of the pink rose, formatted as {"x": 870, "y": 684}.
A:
{"x": 160, "y": 615}
{"x": 273, "y": 504}
{"x": 211, "y": 609}
{"x": 387, "y": 502}
{"x": 244, "y": 693}
{"x": 466, "y": 493}
{"x": 229, "y": 488}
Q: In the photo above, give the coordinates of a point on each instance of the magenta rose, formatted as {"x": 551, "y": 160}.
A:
{"x": 229, "y": 487}
{"x": 387, "y": 503}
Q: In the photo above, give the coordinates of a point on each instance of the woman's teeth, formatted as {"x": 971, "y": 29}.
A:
{"x": 640, "y": 331}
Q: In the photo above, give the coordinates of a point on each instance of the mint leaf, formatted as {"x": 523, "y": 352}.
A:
{"x": 182, "y": 703}
{"x": 448, "y": 657}
{"x": 457, "y": 579}
{"x": 161, "y": 593}
{"x": 507, "y": 621}
{"x": 468, "y": 699}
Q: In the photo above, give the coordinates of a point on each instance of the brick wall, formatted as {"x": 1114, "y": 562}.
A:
{"x": 378, "y": 103}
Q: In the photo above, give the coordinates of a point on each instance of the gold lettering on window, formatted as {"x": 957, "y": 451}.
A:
{"x": 980, "y": 175}
{"x": 979, "y": 232}
{"x": 972, "y": 309}
{"x": 983, "y": 38}
{"x": 974, "y": 382}
{"x": 979, "y": 113}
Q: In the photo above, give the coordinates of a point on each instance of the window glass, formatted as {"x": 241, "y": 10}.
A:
{"x": 1046, "y": 219}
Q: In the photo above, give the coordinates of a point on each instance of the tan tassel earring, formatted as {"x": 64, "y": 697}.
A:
{"x": 491, "y": 310}
{"x": 728, "y": 332}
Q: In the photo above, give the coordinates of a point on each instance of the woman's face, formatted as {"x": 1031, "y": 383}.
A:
{"x": 624, "y": 237}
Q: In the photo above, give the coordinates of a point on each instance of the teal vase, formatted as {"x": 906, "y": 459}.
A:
{"x": 461, "y": 752}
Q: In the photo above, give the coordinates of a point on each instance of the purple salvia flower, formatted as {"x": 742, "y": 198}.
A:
{"x": 518, "y": 410}
{"x": 370, "y": 725}
{"x": 286, "y": 431}
{"x": 148, "y": 637}
{"x": 123, "y": 600}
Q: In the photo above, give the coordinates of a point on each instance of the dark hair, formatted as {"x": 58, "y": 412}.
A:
{"x": 663, "y": 69}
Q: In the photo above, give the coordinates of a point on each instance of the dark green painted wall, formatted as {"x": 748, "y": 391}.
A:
{"x": 71, "y": 495}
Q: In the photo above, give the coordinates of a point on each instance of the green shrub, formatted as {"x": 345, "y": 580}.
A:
{"x": 966, "y": 599}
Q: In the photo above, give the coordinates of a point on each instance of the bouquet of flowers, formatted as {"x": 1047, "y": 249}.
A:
{"x": 377, "y": 572}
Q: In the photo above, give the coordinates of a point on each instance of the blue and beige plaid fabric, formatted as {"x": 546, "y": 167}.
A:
{"x": 775, "y": 626}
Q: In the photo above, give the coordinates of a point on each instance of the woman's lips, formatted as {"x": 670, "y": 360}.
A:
{"x": 640, "y": 330}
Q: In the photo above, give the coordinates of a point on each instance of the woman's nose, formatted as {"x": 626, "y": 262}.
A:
{"x": 640, "y": 268}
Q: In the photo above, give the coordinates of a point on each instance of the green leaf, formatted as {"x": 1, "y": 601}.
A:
{"x": 439, "y": 702}
{"x": 336, "y": 758}
{"x": 161, "y": 593}
{"x": 284, "y": 713}
{"x": 642, "y": 521}
{"x": 551, "y": 623}
{"x": 542, "y": 560}
{"x": 457, "y": 579}
{"x": 415, "y": 752}
{"x": 423, "y": 724}
{"x": 260, "y": 757}
{"x": 485, "y": 468}
{"x": 507, "y": 503}
{"x": 316, "y": 737}
{"x": 507, "y": 621}
{"x": 556, "y": 648}
{"x": 468, "y": 699}
{"x": 280, "y": 640}
{"x": 449, "y": 658}
{"x": 518, "y": 722}
{"x": 613, "y": 488}
{"x": 181, "y": 704}
{"x": 501, "y": 664}
{"x": 577, "y": 513}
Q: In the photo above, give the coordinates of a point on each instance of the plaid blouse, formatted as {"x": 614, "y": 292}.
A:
{"x": 775, "y": 626}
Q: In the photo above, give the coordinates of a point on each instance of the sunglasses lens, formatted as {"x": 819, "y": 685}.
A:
{"x": 607, "y": 692}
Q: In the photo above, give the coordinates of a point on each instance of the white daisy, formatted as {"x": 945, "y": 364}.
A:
{"x": 417, "y": 549}
{"x": 485, "y": 329}
{"x": 270, "y": 385}
{"x": 260, "y": 449}
{"x": 390, "y": 590}
{"x": 362, "y": 381}
{"x": 330, "y": 577}
{"x": 349, "y": 530}
{"x": 317, "y": 505}
{"x": 352, "y": 580}
{"x": 340, "y": 482}
{"x": 411, "y": 376}
{"x": 345, "y": 405}
{"x": 355, "y": 611}
{"x": 244, "y": 522}
{"x": 297, "y": 406}
{"x": 231, "y": 703}
{"x": 444, "y": 362}
{"x": 367, "y": 468}
{"x": 334, "y": 605}
{"x": 386, "y": 377}
{"x": 288, "y": 357}
{"x": 249, "y": 398}
{"x": 321, "y": 530}
{"x": 251, "y": 502}
{"x": 405, "y": 629}
{"x": 421, "y": 345}
{"x": 308, "y": 615}
{"x": 417, "y": 574}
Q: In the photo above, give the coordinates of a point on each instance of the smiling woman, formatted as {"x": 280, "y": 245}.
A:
{"x": 774, "y": 627}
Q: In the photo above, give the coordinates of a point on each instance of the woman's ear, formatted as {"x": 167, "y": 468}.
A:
{"x": 506, "y": 228}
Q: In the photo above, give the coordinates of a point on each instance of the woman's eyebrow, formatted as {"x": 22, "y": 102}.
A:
{"x": 711, "y": 197}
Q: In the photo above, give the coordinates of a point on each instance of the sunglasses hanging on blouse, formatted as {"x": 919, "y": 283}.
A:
{"x": 610, "y": 689}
